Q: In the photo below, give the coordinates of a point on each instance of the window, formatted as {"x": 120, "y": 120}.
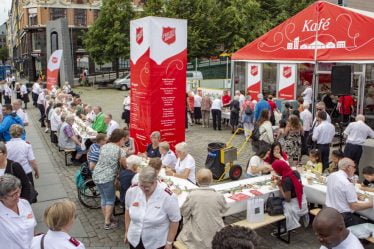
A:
{"x": 38, "y": 40}
{"x": 96, "y": 14}
{"x": 56, "y": 13}
{"x": 33, "y": 16}
{"x": 54, "y": 41}
{"x": 80, "y": 17}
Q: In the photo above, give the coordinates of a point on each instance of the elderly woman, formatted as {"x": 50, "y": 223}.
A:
{"x": 94, "y": 151}
{"x": 168, "y": 157}
{"x": 126, "y": 175}
{"x": 21, "y": 152}
{"x": 111, "y": 158}
{"x": 129, "y": 145}
{"x": 55, "y": 122}
{"x": 158, "y": 227}
{"x": 185, "y": 166}
{"x": 17, "y": 221}
{"x": 68, "y": 140}
{"x": 59, "y": 218}
{"x": 202, "y": 213}
{"x": 152, "y": 149}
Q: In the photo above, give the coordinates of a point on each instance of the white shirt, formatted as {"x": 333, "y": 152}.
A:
{"x": 23, "y": 89}
{"x": 266, "y": 132}
{"x": 150, "y": 220}
{"x": 307, "y": 95}
{"x": 169, "y": 159}
{"x": 187, "y": 163}
{"x": 7, "y": 91}
{"x": 216, "y": 104}
{"x": 111, "y": 127}
{"x": 23, "y": 115}
{"x": 91, "y": 116}
{"x": 328, "y": 119}
{"x": 349, "y": 243}
{"x": 241, "y": 99}
{"x": 17, "y": 231}
{"x": 324, "y": 133}
{"x": 358, "y": 132}
{"x": 41, "y": 99}
{"x": 36, "y": 88}
{"x": 340, "y": 192}
{"x": 55, "y": 121}
{"x": 57, "y": 240}
{"x": 307, "y": 118}
{"x": 127, "y": 102}
{"x": 197, "y": 101}
{"x": 20, "y": 152}
{"x": 255, "y": 161}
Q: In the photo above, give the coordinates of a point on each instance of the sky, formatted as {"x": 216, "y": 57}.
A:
{"x": 4, "y": 8}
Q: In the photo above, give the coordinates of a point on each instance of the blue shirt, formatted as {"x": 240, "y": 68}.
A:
{"x": 94, "y": 153}
{"x": 260, "y": 106}
{"x": 8, "y": 121}
{"x": 125, "y": 177}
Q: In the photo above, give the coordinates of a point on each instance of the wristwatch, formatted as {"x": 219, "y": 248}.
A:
{"x": 169, "y": 242}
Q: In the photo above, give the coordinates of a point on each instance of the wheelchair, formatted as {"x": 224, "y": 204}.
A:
{"x": 88, "y": 193}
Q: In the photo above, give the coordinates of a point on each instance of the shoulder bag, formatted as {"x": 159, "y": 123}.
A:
{"x": 274, "y": 205}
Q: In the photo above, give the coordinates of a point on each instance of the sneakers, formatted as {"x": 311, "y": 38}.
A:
{"x": 110, "y": 226}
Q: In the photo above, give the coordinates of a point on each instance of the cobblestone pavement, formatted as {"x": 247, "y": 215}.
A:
{"x": 197, "y": 137}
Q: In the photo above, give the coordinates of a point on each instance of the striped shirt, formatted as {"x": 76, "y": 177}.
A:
{"x": 93, "y": 153}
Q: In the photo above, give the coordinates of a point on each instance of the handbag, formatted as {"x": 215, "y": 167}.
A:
{"x": 33, "y": 193}
{"x": 274, "y": 205}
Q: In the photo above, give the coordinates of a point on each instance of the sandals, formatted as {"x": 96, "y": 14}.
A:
{"x": 110, "y": 226}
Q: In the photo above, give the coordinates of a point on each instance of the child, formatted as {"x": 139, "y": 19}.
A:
{"x": 281, "y": 132}
{"x": 336, "y": 156}
{"x": 368, "y": 173}
{"x": 314, "y": 164}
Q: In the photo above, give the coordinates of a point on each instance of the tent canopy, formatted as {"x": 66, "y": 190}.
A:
{"x": 322, "y": 32}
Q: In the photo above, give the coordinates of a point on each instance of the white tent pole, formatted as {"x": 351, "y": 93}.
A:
{"x": 315, "y": 78}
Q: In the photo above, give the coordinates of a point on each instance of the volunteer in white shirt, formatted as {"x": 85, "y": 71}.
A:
{"x": 7, "y": 94}
{"x": 356, "y": 133}
{"x": 197, "y": 107}
{"x": 41, "y": 106}
{"x": 59, "y": 218}
{"x": 308, "y": 93}
{"x": 112, "y": 124}
{"x": 307, "y": 119}
{"x": 17, "y": 108}
{"x": 341, "y": 192}
{"x": 152, "y": 213}
{"x": 321, "y": 106}
{"x": 323, "y": 135}
{"x": 168, "y": 157}
{"x": 216, "y": 112}
{"x": 185, "y": 166}
{"x": 17, "y": 219}
{"x": 35, "y": 93}
{"x": 24, "y": 95}
{"x": 329, "y": 228}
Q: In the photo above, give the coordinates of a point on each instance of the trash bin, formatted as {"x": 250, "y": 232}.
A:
{"x": 213, "y": 161}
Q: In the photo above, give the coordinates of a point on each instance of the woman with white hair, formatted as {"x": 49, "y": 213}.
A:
{"x": 185, "y": 166}
{"x": 168, "y": 157}
{"x": 127, "y": 174}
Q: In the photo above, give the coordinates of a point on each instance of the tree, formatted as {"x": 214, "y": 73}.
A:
{"x": 107, "y": 40}
{"x": 154, "y": 8}
{"x": 4, "y": 55}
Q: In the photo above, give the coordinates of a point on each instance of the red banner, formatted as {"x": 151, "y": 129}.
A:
{"x": 287, "y": 81}
{"x": 53, "y": 68}
{"x": 158, "y": 79}
{"x": 254, "y": 80}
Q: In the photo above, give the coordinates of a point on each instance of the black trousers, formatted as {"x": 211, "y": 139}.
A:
{"x": 325, "y": 153}
{"x": 304, "y": 147}
{"x": 42, "y": 114}
{"x": 354, "y": 152}
{"x": 31, "y": 178}
{"x": 7, "y": 100}
{"x": 34, "y": 98}
{"x": 350, "y": 219}
{"x": 216, "y": 115}
{"x": 141, "y": 246}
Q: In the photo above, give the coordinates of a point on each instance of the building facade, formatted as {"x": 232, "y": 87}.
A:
{"x": 356, "y": 4}
{"x": 3, "y": 32}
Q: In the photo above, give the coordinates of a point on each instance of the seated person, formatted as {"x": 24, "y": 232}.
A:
{"x": 290, "y": 187}
{"x": 152, "y": 149}
{"x": 126, "y": 175}
{"x": 185, "y": 166}
{"x": 368, "y": 183}
{"x": 202, "y": 213}
{"x": 168, "y": 157}
{"x": 68, "y": 140}
{"x": 336, "y": 156}
{"x": 94, "y": 151}
{"x": 154, "y": 163}
{"x": 235, "y": 237}
{"x": 257, "y": 166}
{"x": 129, "y": 146}
{"x": 276, "y": 153}
{"x": 99, "y": 124}
{"x": 314, "y": 164}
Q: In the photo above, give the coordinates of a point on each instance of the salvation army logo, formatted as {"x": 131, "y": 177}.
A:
{"x": 139, "y": 35}
{"x": 168, "y": 35}
{"x": 54, "y": 60}
{"x": 287, "y": 72}
{"x": 254, "y": 70}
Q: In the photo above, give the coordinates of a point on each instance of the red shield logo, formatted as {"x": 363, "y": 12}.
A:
{"x": 254, "y": 70}
{"x": 139, "y": 35}
{"x": 168, "y": 35}
{"x": 54, "y": 60}
{"x": 287, "y": 72}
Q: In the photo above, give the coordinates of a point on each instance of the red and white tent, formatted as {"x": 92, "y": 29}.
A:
{"x": 323, "y": 32}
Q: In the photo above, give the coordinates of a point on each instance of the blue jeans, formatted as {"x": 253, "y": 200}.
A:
{"x": 107, "y": 193}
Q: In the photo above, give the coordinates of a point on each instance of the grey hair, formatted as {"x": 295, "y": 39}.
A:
{"x": 133, "y": 160}
{"x": 236, "y": 97}
{"x": 147, "y": 175}
{"x": 360, "y": 117}
{"x": 156, "y": 134}
{"x": 344, "y": 163}
{"x": 164, "y": 145}
{"x": 8, "y": 183}
{"x": 182, "y": 147}
{"x": 69, "y": 117}
{"x": 306, "y": 106}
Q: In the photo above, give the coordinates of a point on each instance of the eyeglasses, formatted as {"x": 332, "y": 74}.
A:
{"x": 17, "y": 193}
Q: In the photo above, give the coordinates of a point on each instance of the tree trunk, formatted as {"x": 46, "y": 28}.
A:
{"x": 116, "y": 67}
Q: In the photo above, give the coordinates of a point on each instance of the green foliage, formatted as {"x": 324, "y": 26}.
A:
{"x": 154, "y": 8}
{"x": 4, "y": 55}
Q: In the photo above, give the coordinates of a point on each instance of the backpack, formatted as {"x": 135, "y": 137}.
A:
{"x": 248, "y": 110}
{"x": 256, "y": 133}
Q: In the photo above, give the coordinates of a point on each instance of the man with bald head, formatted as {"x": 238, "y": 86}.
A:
{"x": 356, "y": 133}
{"x": 330, "y": 230}
{"x": 341, "y": 193}
{"x": 202, "y": 213}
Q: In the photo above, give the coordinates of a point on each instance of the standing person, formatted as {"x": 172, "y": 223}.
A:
{"x": 356, "y": 133}
{"x": 9, "y": 118}
{"x": 202, "y": 213}
{"x": 24, "y": 95}
{"x": 36, "y": 90}
{"x": 41, "y": 106}
{"x": 111, "y": 124}
{"x": 307, "y": 94}
{"x": 17, "y": 220}
{"x": 346, "y": 106}
{"x": 155, "y": 229}
{"x": 287, "y": 111}
{"x": 234, "y": 113}
{"x": 341, "y": 193}
{"x": 217, "y": 113}
{"x": 17, "y": 108}
{"x": 206, "y": 104}
{"x": 247, "y": 114}
{"x": 197, "y": 107}
{"x": 13, "y": 81}
{"x": 273, "y": 108}
{"x": 293, "y": 134}
{"x": 111, "y": 159}
{"x": 306, "y": 118}
{"x": 99, "y": 123}
{"x": 7, "y": 94}
{"x": 260, "y": 106}
{"x": 17, "y": 89}
{"x": 190, "y": 106}
{"x": 126, "y": 110}
{"x": 323, "y": 135}
{"x": 265, "y": 128}
{"x": 226, "y": 99}
{"x": 321, "y": 107}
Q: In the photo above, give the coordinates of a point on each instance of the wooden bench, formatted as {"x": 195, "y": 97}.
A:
{"x": 179, "y": 245}
{"x": 66, "y": 153}
{"x": 267, "y": 221}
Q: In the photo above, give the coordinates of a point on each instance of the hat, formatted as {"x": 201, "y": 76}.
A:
{"x": 260, "y": 96}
